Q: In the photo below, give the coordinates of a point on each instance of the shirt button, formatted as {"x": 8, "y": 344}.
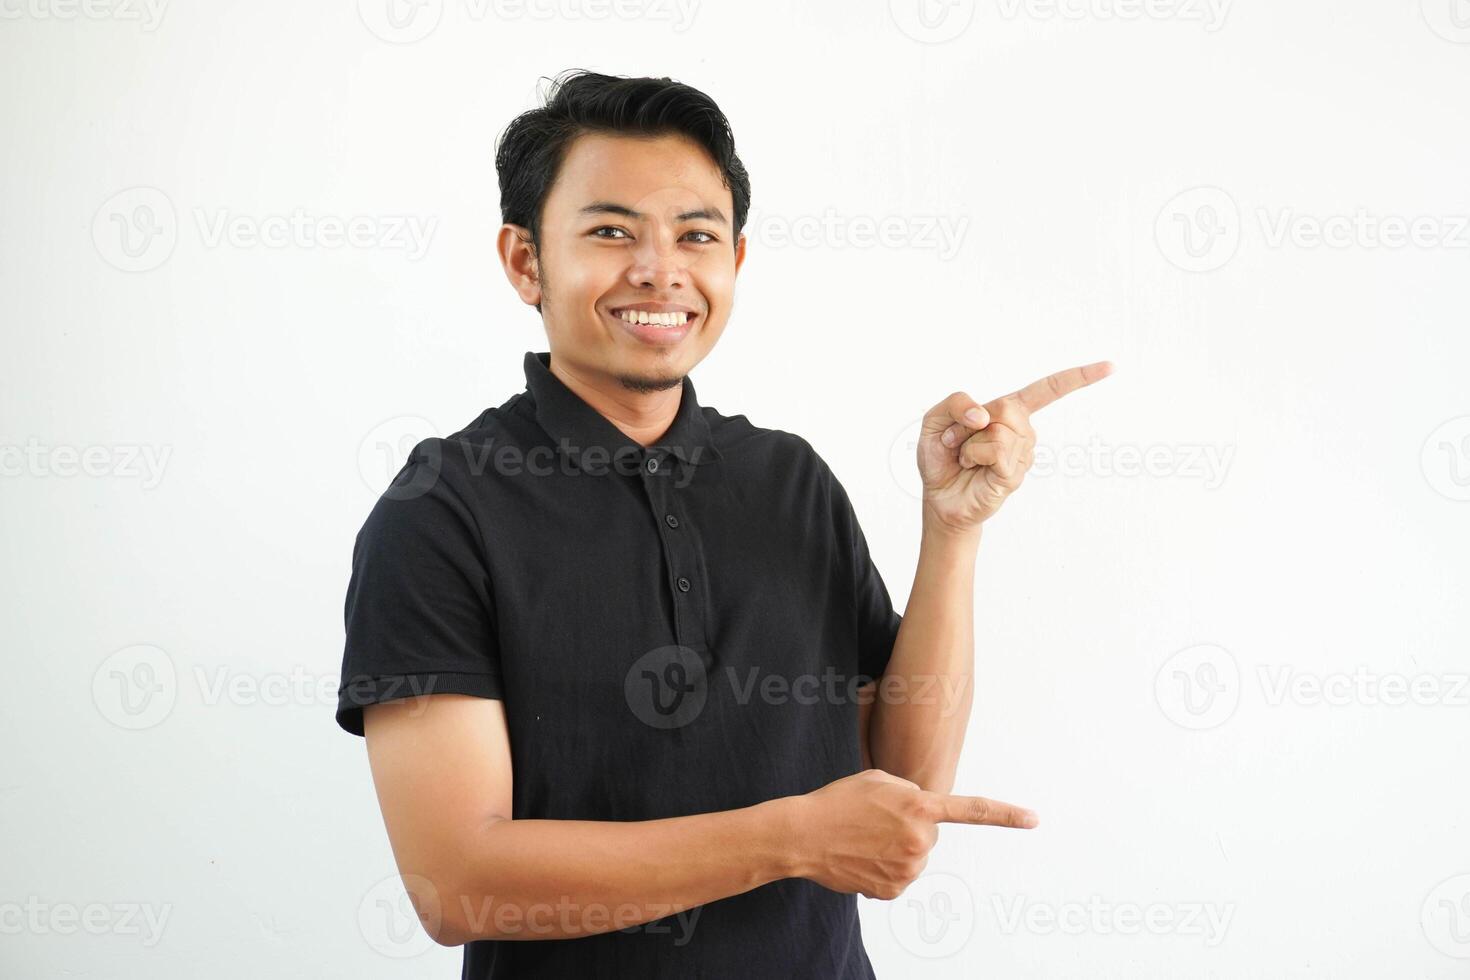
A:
{"x": 671, "y": 520}
{"x": 651, "y": 465}
{"x": 683, "y": 584}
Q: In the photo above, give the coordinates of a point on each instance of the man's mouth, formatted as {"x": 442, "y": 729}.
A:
{"x": 655, "y": 316}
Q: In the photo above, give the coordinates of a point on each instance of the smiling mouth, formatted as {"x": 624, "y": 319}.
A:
{"x": 675, "y": 318}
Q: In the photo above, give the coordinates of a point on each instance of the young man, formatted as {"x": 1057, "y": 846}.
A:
{"x": 613, "y": 652}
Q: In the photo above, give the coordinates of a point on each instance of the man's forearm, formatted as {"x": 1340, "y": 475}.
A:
{"x": 551, "y": 879}
{"x": 923, "y": 701}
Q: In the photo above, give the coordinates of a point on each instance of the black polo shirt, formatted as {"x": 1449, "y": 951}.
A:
{"x": 673, "y": 630}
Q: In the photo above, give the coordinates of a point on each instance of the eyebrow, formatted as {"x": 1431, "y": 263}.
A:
{"x": 608, "y": 207}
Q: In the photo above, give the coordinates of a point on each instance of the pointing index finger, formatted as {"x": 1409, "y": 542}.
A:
{"x": 980, "y": 810}
{"x": 1039, "y": 394}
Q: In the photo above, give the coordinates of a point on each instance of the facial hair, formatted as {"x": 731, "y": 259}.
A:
{"x": 645, "y": 385}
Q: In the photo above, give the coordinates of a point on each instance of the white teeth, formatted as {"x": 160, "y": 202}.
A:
{"x": 657, "y": 319}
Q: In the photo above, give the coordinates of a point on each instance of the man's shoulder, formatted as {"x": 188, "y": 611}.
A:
{"x": 738, "y": 435}
{"x": 444, "y": 466}
{"x": 509, "y": 421}
{"x": 469, "y": 446}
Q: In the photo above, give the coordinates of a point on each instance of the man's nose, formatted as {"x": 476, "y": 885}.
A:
{"x": 657, "y": 261}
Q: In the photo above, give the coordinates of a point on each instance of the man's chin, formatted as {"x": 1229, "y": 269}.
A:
{"x": 658, "y": 371}
{"x": 646, "y": 383}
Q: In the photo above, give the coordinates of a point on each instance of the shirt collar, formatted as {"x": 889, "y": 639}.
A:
{"x": 575, "y": 426}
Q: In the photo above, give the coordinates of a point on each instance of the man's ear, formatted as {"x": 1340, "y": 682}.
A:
{"x": 739, "y": 252}
{"x": 519, "y": 259}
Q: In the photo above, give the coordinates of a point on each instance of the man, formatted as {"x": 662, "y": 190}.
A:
{"x": 617, "y": 656}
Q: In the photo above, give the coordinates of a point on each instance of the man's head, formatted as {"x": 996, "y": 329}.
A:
{"x": 619, "y": 195}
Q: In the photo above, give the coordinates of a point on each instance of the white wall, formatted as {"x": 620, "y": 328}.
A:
{"x": 1304, "y": 518}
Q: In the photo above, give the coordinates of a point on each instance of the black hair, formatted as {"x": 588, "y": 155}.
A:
{"x": 530, "y": 150}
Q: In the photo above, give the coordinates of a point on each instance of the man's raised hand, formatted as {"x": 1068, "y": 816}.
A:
{"x": 972, "y": 456}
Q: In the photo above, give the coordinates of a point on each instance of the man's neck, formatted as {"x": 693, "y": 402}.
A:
{"x": 643, "y": 416}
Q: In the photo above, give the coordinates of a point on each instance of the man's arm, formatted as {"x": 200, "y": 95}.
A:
{"x": 915, "y": 725}
{"x": 971, "y": 457}
{"x": 442, "y": 768}
{"x": 441, "y": 764}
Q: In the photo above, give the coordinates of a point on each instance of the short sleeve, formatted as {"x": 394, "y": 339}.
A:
{"x": 419, "y": 614}
{"x": 877, "y": 621}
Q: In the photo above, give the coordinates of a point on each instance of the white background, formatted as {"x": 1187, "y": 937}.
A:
{"x": 1136, "y": 183}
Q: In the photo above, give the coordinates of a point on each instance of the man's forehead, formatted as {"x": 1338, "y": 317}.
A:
{"x": 667, "y": 177}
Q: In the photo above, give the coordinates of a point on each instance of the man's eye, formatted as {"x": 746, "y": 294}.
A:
{"x": 614, "y": 233}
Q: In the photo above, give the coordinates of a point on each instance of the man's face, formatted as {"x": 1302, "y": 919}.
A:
{"x": 641, "y": 224}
